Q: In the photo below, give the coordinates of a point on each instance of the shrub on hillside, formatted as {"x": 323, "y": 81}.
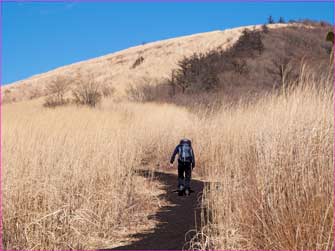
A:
{"x": 200, "y": 72}
{"x": 87, "y": 92}
{"x": 146, "y": 92}
{"x": 137, "y": 62}
{"x": 56, "y": 90}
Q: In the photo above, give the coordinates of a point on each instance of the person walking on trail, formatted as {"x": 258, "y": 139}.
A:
{"x": 186, "y": 163}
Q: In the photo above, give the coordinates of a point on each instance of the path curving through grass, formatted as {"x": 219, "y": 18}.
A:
{"x": 177, "y": 221}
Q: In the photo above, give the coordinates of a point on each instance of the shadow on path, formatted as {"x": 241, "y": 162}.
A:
{"x": 174, "y": 221}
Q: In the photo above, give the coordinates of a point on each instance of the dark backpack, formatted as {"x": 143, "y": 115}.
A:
{"x": 185, "y": 151}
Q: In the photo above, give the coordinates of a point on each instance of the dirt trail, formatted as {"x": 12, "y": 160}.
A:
{"x": 174, "y": 220}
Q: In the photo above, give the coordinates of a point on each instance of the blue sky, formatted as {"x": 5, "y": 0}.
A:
{"x": 37, "y": 37}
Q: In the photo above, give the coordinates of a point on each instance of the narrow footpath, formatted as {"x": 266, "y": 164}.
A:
{"x": 175, "y": 221}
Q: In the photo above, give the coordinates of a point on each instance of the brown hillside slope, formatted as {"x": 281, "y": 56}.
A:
{"x": 117, "y": 69}
{"x": 260, "y": 62}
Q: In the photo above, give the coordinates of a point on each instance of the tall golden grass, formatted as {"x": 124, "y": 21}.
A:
{"x": 270, "y": 168}
{"x": 69, "y": 174}
{"x": 69, "y": 178}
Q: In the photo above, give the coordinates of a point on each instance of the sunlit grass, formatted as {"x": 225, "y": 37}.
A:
{"x": 69, "y": 174}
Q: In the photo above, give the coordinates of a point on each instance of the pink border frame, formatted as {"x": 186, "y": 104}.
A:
{"x": 190, "y": 1}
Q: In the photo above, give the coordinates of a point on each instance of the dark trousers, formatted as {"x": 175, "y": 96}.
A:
{"x": 184, "y": 174}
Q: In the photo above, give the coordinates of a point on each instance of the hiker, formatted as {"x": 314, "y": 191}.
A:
{"x": 186, "y": 163}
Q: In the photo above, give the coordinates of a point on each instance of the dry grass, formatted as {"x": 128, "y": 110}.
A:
{"x": 271, "y": 172}
{"x": 69, "y": 179}
{"x": 69, "y": 174}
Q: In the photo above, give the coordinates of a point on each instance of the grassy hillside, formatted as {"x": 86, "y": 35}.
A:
{"x": 125, "y": 68}
{"x": 153, "y": 63}
{"x": 261, "y": 61}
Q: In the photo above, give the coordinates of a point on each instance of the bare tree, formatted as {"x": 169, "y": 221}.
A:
{"x": 87, "y": 91}
{"x": 56, "y": 90}
{"x": 282, "y": 68}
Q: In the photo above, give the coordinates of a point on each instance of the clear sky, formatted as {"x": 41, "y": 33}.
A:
{"x": 40, "y": 36}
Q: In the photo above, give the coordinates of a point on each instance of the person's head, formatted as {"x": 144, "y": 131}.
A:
{"x": 185, "y": 141}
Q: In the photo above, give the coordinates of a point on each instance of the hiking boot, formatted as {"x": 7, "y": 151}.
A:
{"x": 187, "y": 191}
